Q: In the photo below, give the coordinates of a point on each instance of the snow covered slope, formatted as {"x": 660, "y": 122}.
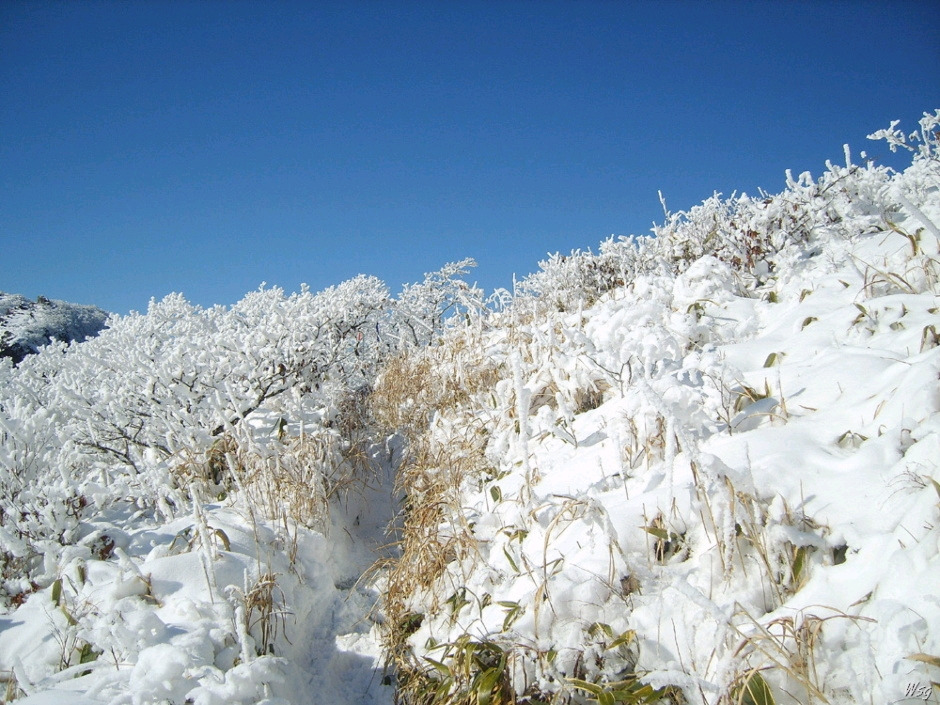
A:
{"x": 27, "y": 325}
{"x": 717, "y": 483}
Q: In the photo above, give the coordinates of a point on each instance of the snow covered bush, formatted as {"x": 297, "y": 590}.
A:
{"x": 757, "y": 236}
{"x": 182, "y": 399}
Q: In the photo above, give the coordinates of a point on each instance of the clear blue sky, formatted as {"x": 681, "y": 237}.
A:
{"x": 205, "y": 147}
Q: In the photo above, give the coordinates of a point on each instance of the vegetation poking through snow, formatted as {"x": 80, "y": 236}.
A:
{"x": 663, "y": 472}
{"x": 698, "y": 467}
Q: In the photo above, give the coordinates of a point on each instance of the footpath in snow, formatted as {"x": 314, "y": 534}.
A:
{"x": 154, "y": 592}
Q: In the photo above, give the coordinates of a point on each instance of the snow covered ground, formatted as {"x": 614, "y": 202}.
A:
{"x": 151, "y": 593}
{"x": 701, "y": 467}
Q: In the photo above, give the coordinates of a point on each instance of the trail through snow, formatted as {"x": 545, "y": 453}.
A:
{"x": 152, "y": 589}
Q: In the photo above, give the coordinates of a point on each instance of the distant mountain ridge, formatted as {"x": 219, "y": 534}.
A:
{"x": 27, "y": 325}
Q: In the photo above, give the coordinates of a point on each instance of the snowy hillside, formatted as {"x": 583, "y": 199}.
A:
{"x": 700, "y": 467}
{"x": 27, "y": 325}
{"x": 715, "y": 483}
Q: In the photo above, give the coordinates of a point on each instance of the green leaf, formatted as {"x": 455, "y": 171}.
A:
{"x": 624, "y": 639}
{"x": 511, "y": 561}
{"x": 754, "y": 691}
{"x": 773, "y": 359}
{"x": 57, "y": 591}
{"x": 929, "y": 338}
{"x": 838, "y": 554}
{"x": 88, "y": 654}
{"x": 496, "y": 493}
{"x": 799, "y": 559}
{"x": 518, "y": 534}
{"x": 458, "y": 601}
{"x": 851, "y": 439}
{"x": 485, "y": 685}
{"x": 223, "y": 537}
{"x": 592, "y": 688}
{"x": 657, "y": 531}
{"x": 442, "y": 668}
{"x": 638, "y": 693}
{"x": 68, "y": 617}
{"x": 603, "y": 696}
{"x": 598, "y": 628}
{"x": 443, "y": 689}
{"x": 514, "y": 611}
{"x": 807, "y": 321}
{"x": 411, "y": 623}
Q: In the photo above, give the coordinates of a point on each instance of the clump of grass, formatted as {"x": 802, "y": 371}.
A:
{"x": 471, "y": 672}
{"x": 289, "y": 477}
{"x": 784, "y": 648}
{"x": 785, "y": 565}
{"x": 265, "y": 614}
{"x": 413, "y": 392}
{"x": 11, "y": 688}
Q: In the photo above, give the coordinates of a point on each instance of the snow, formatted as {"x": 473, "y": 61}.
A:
{"x": 168, "y": 614}
{"x": 678, "y": 462}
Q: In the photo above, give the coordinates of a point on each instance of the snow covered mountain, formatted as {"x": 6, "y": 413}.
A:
{"x": 699, "y": 467}
{"x": 26, "y": 325}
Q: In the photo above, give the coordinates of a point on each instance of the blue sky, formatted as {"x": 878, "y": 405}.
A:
{"x": 206, "y": 147}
